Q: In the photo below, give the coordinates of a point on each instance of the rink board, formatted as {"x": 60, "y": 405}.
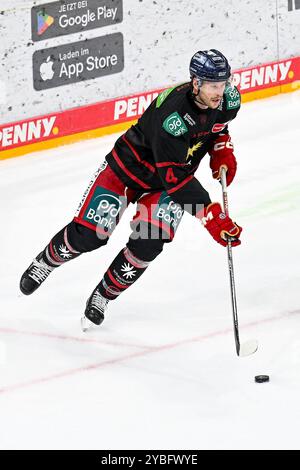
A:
{"x": 117, "y": 115}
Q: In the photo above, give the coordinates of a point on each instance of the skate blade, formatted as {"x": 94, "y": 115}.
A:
{"x": 87, "y": 325}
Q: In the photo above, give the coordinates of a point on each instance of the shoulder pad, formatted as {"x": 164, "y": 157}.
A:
{"x": 174, "y": 125}
{"x": 232, "y": 97}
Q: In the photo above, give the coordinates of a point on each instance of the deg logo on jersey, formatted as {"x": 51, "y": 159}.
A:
{"x": 174, "y": 125}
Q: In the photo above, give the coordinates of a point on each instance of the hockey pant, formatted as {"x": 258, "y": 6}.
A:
{"x": 100, "y": 210}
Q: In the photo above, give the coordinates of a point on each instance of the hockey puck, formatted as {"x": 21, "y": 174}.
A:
{"x": 262, "y": 378}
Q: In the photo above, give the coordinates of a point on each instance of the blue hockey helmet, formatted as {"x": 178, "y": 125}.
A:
{"x": 211, "y": 66}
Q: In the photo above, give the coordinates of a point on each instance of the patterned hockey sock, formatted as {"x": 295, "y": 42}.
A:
{"x": 122, "y": 273}
{"x": 59, "y": 250}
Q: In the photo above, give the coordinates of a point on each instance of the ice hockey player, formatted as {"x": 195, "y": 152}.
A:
{"x": 153, "y": 165}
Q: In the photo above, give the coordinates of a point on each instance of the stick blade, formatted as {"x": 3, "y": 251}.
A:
{"x": 248, "y": 348}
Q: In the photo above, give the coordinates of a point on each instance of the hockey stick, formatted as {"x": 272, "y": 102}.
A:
{"x": 251, "y": 346}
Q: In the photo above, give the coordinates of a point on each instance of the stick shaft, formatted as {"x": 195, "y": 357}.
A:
{"x": 230, "y": 266}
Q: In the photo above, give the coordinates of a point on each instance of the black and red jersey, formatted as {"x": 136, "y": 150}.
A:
{"x": 163, "y": 150}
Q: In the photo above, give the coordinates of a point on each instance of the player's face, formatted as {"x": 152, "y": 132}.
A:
{"x": 211, "y": 94}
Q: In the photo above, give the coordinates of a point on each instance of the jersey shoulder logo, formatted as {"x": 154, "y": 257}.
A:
{"x": 175, "y": 125}
{"x": 162, "y": 96}
{"x": 233, "y": 97}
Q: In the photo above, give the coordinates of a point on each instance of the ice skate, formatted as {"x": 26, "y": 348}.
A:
{"x": 94, "y": 313}
{"x": 35, "y": 275}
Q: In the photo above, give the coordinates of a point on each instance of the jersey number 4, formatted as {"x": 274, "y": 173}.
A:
{"x": 170, "y": 177}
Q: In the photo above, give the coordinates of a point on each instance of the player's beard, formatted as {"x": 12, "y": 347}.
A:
{"x": 215, "y": 102}
{"x": 211, "y": 103}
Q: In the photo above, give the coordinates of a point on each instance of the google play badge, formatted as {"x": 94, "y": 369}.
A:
{"x": 43, "y": 22}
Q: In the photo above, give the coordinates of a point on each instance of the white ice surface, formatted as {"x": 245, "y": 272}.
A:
{"x": 162, "y": 372}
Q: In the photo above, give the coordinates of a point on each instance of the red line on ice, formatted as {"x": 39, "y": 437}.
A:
{"x": 145, "y": 352}
{"x": 69, "y": 338}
